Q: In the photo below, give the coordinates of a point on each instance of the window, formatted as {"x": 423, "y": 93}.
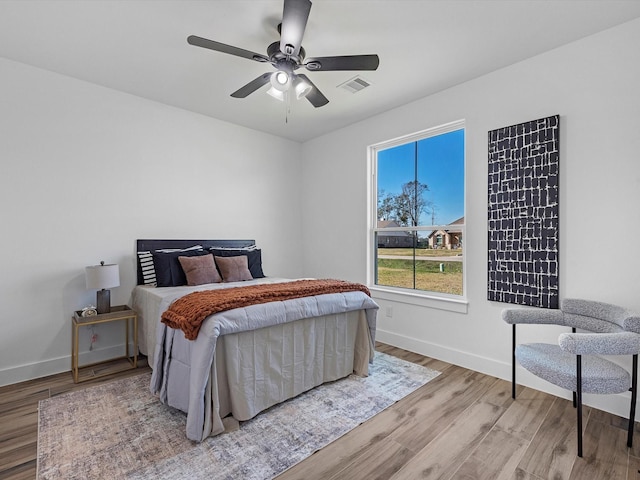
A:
{"x": 417, "y": 208}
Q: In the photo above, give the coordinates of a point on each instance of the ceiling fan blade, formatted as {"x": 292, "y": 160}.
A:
{"x": 221, "y": 47}
{"x": 315, "y": 96}
{"x": 252, "y": 86}
{"x": 346, "y": 62}
{"x": 294, "y": 21}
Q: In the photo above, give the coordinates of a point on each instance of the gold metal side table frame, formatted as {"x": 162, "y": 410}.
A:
{"x": 118, "y": 313}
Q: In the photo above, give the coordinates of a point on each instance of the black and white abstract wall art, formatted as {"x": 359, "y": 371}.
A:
{"x": 523, "y": 213}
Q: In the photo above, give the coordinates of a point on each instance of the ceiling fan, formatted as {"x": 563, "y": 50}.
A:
{"x": 287, "y": 56}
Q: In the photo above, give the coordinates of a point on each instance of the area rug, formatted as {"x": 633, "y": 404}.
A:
{"x": 120, "y": 430}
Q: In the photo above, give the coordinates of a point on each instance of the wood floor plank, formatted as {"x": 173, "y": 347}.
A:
{"x": 21, "y": 419}
{"x": 377, "y": 463}
{"x": 635, "y": 449}
{"x": 553, "y": 450}
{"x": 442, "y": 457}
{"x": 24, "y": 471}
{"x": 17, "y": 434}
{"x": 18, "y": 456}
{"x": 14, "y": 446}
{"x": 525, "y": 415}
{"x": 24, "y": 389}
{"x": 424, "y": 418}
{"x": 495, "y": 458}
{"x": 499, "y": 393}
{"x": 604, "y": 453}
{"x": 19, "y": 397}
{"x": 520, "y": 474}
{"x": 622, "y": 424}
{"x": 633, "y": 468}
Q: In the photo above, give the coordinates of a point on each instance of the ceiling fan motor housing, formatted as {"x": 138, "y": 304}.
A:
{"x": 282, "y": 61}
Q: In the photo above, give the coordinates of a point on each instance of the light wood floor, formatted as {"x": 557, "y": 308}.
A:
{"x": 462, "y": 425}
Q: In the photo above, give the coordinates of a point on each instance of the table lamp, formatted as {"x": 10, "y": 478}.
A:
{"x": 102, "y": 277}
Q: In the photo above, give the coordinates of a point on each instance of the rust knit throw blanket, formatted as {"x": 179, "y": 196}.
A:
{"x": 187, "y": 313}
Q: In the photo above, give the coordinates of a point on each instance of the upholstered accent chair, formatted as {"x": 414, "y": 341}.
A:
{"x": 575, "y": 363}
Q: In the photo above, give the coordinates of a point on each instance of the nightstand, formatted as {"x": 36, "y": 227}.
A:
{"x": 82, "y": 373}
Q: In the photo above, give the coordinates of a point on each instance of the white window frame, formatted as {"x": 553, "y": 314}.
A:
{"x": 456, "y": 303}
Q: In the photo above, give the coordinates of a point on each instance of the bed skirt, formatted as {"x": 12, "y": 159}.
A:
{"x": 256, "y": 369}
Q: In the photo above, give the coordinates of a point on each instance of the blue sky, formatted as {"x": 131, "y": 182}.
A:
{"x": 440, "y": 165}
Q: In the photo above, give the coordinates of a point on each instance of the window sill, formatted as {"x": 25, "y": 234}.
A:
{"x": 458, "y": 305}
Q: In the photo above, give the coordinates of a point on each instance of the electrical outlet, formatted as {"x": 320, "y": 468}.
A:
{"x": 388, "y": 312}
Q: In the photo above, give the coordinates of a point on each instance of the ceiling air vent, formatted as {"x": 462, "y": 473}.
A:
{"x": 355, "y": 84}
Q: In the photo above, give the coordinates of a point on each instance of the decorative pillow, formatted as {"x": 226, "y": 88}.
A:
{"x": 254, "y": 258}
{"x": 169, "y": 273}
{"x": 146, "y": 268}
{"x": 200, "y": 269}
{"x": 234, "y": 269}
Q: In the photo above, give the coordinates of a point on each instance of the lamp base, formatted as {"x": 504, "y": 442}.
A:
{"x": 104, "y": 301}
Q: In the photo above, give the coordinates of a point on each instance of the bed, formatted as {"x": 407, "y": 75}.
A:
{"x": 243, "y": 360}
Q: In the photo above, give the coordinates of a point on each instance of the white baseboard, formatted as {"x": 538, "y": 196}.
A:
{"x": 616, "y": 404}
{"x": 53, "y": 366}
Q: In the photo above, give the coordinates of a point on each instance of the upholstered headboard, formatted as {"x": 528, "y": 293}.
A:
{"x": 157, "y": 244}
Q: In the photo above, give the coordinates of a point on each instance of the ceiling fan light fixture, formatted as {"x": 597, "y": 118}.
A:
{"x": 301, "y": 88}
{"x": 281, "y": 81}
{"x": 277, "y": 94}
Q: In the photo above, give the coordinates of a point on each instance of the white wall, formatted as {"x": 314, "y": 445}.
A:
{"x": 594, "y": 85}
{"x": 87, "y": 170}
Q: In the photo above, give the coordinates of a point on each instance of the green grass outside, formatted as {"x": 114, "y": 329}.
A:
{"x": 399, "y": 273}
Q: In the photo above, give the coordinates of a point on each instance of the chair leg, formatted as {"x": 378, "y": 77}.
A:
{"x": 573, "y": 330}
{"x": 513, "y": 362}
{"x": 579, "y": 400}
{"x": 634, "y": 396}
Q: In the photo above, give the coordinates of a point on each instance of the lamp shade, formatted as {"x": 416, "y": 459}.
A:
{"x": 102, "y": 276}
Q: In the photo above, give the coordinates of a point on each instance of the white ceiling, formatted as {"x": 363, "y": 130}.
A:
{"x": 140, "y": 47}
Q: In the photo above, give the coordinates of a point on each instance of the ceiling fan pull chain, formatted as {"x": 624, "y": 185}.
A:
{"x": 287, "y": 106}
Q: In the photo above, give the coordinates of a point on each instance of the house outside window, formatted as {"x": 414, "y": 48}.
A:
{"x": 417, "y": 234}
